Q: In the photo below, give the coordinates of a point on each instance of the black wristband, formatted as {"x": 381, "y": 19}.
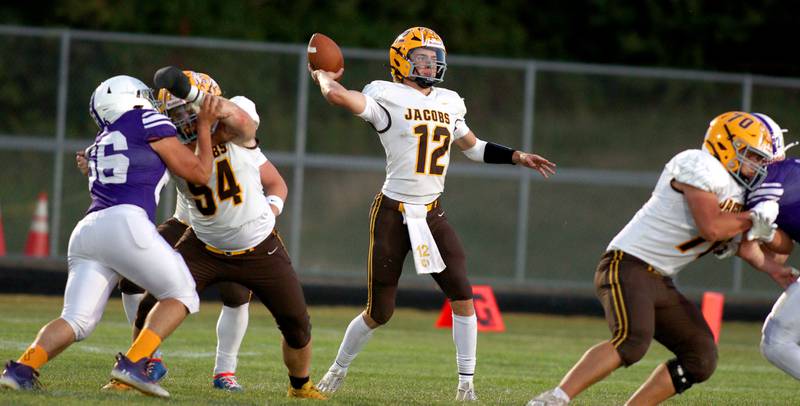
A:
{"x": 498, "y": 154}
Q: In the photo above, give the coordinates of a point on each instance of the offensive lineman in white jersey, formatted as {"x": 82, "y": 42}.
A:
{"x": 232, "y": 238}
{"x": 695, "y": 207}
{"x": 416, "y": 123}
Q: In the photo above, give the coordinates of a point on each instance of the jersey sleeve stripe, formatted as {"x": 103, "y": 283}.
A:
{"x": 388, "y": 116}
{"x": 159, "y": 124}
{"x": 154, "y": 117}
{"x": 777, "y": 192}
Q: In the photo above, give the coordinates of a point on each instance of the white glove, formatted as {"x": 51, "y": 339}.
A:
{"x": 763, "y": 216}
{"x": 767, "y": 211}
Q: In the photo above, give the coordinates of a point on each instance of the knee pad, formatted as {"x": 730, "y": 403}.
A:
{"x": 681, "y": 379}
{"x": 296, "y": 330}
{"x": 81, "y": 326}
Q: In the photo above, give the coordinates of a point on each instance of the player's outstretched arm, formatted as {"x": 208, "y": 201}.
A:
{"x": 274, "y": 186}
{"x": 336, "y": 94}
{"x": 180, "y": 160}
{"x": 489, "y": 152}
{"x": 771, "y": 263}
{"x": 712, "y": 223}
{"x": 781, "y": 244}
{"x": 235, "y": 124}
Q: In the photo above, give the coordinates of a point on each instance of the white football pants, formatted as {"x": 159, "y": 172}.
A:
{"x": 781, "y": 333}
{"x": 116, "y": 242}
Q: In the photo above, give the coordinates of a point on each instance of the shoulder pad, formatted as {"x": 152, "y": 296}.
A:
{"x": 247, "y": 105}
{"x": 376, "y": 89}
{"x": 699, "y": 169}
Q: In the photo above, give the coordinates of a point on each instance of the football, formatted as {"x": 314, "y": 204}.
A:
{"x": 324, "y": 54}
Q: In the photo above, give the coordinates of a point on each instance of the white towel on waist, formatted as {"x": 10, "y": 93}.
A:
{"x": 427, "y": 258}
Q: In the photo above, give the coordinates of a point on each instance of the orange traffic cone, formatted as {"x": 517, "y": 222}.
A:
{"x": 2, "y": 238}
{"x": 712, "y": 305}
{"x": 38, "y": 244}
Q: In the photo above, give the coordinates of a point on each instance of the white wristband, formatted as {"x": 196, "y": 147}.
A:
{"x": 276, "y": 201}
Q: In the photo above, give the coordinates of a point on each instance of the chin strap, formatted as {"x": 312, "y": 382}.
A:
{"x": 424, "y": 83}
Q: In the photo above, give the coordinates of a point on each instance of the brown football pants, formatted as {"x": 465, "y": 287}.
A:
{"x": 388, "y": 246}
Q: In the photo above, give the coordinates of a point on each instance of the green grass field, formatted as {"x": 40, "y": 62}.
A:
{"x": 407, "y": 363}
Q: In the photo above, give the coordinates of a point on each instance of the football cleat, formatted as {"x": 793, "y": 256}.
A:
{"x": 332, "y": 380}
{"x": 227, "y": 381}
{"x": 116, "y": 386}
{"x": 135, "y": 375}
{"x": 308, "y": 391}
{"x": 548, "y": 398}
{"x": 466, "y": 392}
{"x": 156, "y": 369}
{"x": 18, "y": 376}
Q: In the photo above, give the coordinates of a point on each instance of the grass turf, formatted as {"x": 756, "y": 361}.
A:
{"x": 406, "y": 363}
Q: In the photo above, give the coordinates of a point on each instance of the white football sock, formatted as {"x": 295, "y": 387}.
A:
{"x": 131, "y": 305}
{"x": 465, "y": 336}
{"x": 356, "y": 335}
{"x": 231, "y": 326}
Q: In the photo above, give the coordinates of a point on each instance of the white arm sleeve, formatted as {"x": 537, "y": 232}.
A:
{"x": 376, "y": 115}
{"x": 476, "y": 152}
{"x": 461, "y": 129}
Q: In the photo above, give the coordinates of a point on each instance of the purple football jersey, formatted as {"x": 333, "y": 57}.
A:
{"x": 782, "y": 184}
{"x": 123, "y": 168}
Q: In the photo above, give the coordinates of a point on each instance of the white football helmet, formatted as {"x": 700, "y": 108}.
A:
{"x": 118, "y": 95}
{"x": 778, "y": 145}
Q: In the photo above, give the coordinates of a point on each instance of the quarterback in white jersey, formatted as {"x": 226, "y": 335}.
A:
{"x": 417, "y": 123}
{"x": 696, "y": 205}
{"x": 419, "y": 131}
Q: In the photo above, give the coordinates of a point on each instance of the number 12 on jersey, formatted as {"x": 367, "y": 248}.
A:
{"x": 440, "y": 134}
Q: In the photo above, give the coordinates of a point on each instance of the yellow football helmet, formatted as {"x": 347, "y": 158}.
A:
{"x": 404, "y": 62}
{"x": 740, "y": 141}
{"x": 182, "y": 113}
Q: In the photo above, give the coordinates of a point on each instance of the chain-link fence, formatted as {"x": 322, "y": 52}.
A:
{"x": 610, "y": 129}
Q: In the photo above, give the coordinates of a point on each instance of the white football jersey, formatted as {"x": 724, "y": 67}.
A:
{"x": 663, "y": 232}
{"x": 416, "y": 131}
{"x": 183, "y": 200}
{"x": 231, "y": 212}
